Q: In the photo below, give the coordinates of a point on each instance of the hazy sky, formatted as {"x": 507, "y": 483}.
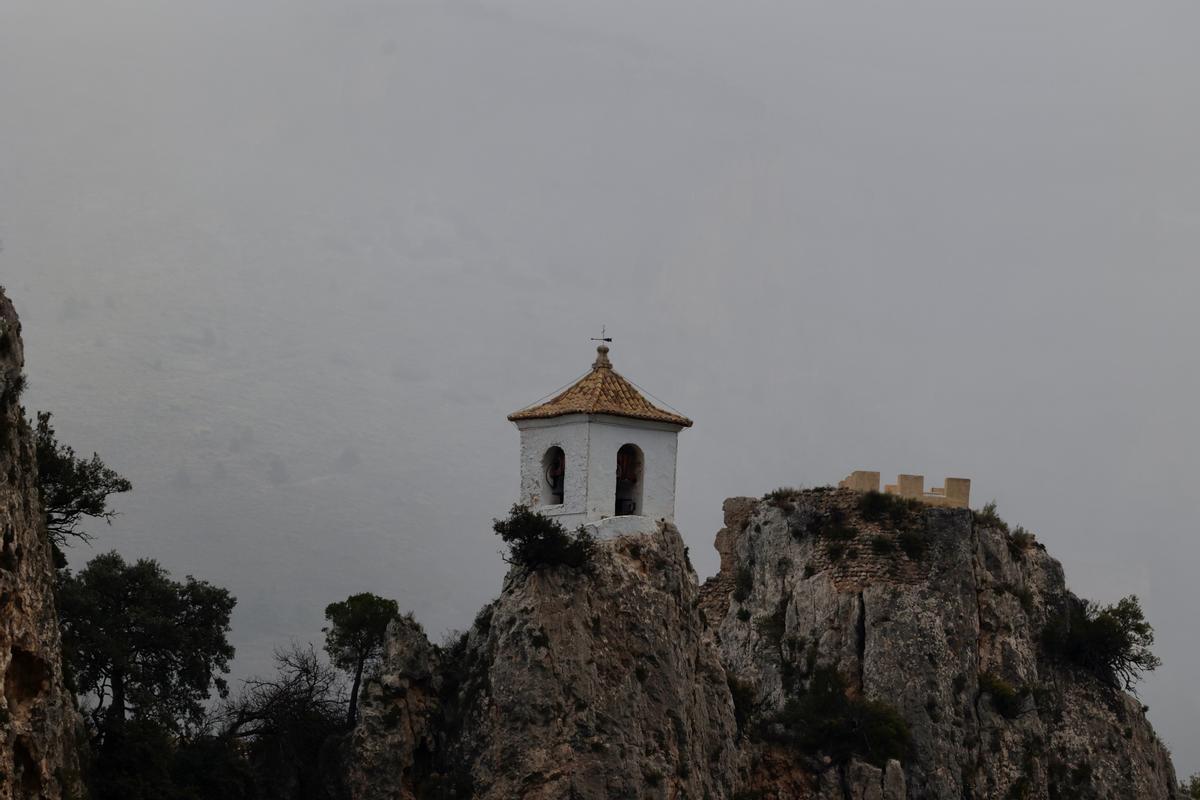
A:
{"x": 288, "y": 265}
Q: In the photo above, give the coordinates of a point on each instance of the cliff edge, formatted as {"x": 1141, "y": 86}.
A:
{"x": 938, "y": 613}
{"x": 574, "y": 683}
{"x": 38, "y": 721}
{"x": 847, "y": 650}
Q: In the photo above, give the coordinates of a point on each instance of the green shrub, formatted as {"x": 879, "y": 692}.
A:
{"x": 536, "y": 541}
{"x": 538, "y": 638}
{"x": 875, "y": 506}
{"x": 1111, "y": 642}
{"x": 824, "y": 720}
{"x": 836, "y": 526}
{"x": 742, "y": 693}
{"x": 1020, "y": 541}
{"x": 887, "y": 508}
{"x": 782, "y": 498}
{"x": 791, "y": 651}
{"x": 770, "y": 628}
{"x": 1023, "y": 594}
{"x": 773, "y": 627}
{"x": 882, "y": 545}
{"x": 1006, "y": 699}
{"x": 1191, "y": 787}
{"x": 743, "y": 583}
{"x": 14, "y": 389}
{"x": 810, "y": 657}
{"x": 913, "y": 543}
{"x": 835, "y": 550}
{"x": 483, "y": 620}
{"x": 988, "y": 518}
{"x": 743, "y": 614}
{"x": 1026, "y": 599}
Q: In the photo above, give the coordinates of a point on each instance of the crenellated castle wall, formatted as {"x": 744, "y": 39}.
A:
{"x": 956, "y": 493}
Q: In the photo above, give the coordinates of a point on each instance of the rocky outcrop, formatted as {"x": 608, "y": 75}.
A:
{"x": 631, "y": 681}
{"x": 934, "y": 616}
{"x": 396, "y": 736}
{"x": 38, "y": 721}
{"x": 715, "y": 592}
{"x": 573, "y": 684}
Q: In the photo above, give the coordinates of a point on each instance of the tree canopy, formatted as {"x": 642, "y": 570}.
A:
{"x": 1112, "y": 642}
{"x": 144, "y": 761}
{"x": 354, "y": 637}
{"x": 140, "y": 645}
{"x": 71, "y": 487}
{"x": 282, "y": 722}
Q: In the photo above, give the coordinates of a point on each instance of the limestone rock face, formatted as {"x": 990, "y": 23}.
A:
{"x": 38, "y": 721}
{"x": 917, "y": 632}
{"x": 397, "y": 715}
{"x": 631, "y": 681}
{"x": 570, "y": 685}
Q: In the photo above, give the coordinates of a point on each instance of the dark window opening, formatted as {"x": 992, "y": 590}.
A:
{"x": 554, "y": 474}
{"x": 629, "y": 480}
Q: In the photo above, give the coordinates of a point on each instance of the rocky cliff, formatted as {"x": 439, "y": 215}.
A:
{"x": 38, "y": 722}
{"x": 571, "y": 684}
{"x": 846, "y": 650}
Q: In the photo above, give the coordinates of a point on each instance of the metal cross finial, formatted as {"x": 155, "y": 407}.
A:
{"x": 604, "y": 337}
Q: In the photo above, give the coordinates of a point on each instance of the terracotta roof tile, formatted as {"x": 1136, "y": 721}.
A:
{"x": 601, "y": 391}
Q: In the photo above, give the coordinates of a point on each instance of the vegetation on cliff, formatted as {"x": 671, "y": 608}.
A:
{"x": 354, "y": 637}
{"x": 72, "y": 488}
{"x": 536, "y": 541}
{"x": 824, "y": 718}
{"x": 1111, "y": 642}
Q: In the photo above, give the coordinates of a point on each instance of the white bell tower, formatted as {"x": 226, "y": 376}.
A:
{"x": 600, "y": 453}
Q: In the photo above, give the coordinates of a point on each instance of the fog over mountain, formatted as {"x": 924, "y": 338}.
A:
{"x": 288, "y": 265}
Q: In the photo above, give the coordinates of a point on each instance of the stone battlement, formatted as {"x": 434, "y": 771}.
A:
{"x": 955, "y": 494}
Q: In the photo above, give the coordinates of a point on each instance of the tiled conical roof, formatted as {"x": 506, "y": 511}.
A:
{"x": 601, "y": 391}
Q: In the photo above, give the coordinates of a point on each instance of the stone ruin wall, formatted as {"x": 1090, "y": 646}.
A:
{"x": 955, "y": 494}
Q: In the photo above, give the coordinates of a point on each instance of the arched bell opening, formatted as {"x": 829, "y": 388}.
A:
{"x": 629, "y": 480}
{"x": 554, "y": 475}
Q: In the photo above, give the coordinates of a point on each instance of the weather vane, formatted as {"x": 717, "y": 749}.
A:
{"x": 603, "y": 337}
